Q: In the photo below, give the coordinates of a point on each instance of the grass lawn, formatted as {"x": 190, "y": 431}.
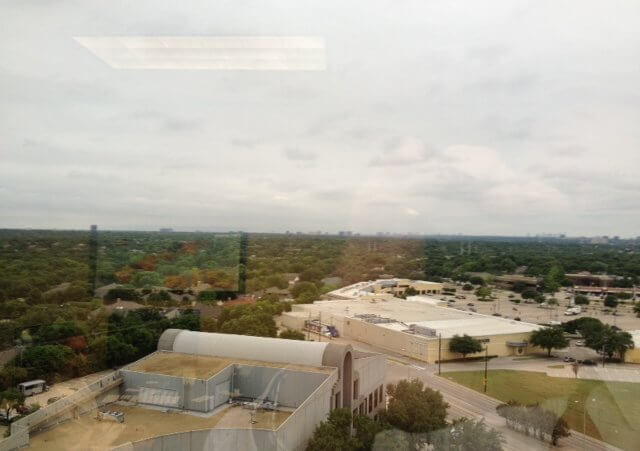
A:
{"x": 612, "y": 408}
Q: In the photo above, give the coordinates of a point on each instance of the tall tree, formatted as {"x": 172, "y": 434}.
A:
{"x": 483, "y": 293}
{"x": 11, "y": 399}
{"x": 464, "y": 345}
{"x": 553, "y": 280}
{"x": 415, "y": 408}
{"x": 466, "y": 435}
{"x": 610, "y": 340}
{"x": 549, "y": 338}
{"x": 334, "y": 434}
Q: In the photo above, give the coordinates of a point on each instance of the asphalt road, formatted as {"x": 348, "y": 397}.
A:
{"x": 468, "y": 403}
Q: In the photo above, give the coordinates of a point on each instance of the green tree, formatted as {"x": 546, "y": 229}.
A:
{"x": 11, "y": 375}
{"x": 277, "y": 280}
{"x": 611, "y": 301}
{"x": 146, "y": 279}
{"x": 585, "y": 325}
{"x": 334, "y": 434}
{"x": 519, "y": 287}
{"x": 581, "y": 299}
{"x": 258, "y": 324}
{"x": 414, "y": 408}
{"x": 464, "y": 345}
{"x": 549, "y": 338}
{"x": 610, "y": 340}
{"x": 466, "y": 435}
{"x": 291, "y": 334}
{"x": 483, "y": 293}
{"x": 58, "y": 332}
{"x": 34, "y": 297}
{"x": 47, "y": 360}
{"x": 553, "y": 280}
{"x": 529, "y": 293}
{"x": 366, "y": 431}
{"x": 304, "y": 287}
{"x": 10, "y": 399}
{"x": 393, "y": 440}
{"x": 467, "y": 287}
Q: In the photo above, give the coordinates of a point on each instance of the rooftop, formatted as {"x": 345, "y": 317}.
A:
{"x": 444, "y": 320}
{"x": 141, "y": 423}
{"x": 204, "y": 367}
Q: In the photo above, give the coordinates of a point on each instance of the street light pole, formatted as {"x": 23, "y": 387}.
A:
{"x": 439, "y": 352}
{"x": 486, "y": 360}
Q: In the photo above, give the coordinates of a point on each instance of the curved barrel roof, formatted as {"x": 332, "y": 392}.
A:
{"x": 243, "y": 347}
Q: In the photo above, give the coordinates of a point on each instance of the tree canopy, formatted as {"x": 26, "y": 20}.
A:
{"x": 549, "y": 338}
{"x": 414, "y": 408}
{"x": 464, "y": 345}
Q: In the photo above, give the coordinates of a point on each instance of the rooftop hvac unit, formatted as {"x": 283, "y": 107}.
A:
{"x": 422, "y": 330}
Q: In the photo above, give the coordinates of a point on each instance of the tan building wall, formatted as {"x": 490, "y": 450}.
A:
{"x": 632, "y": 356}
{"x": 415, "y": 346}
{"x": 422, "y": 287}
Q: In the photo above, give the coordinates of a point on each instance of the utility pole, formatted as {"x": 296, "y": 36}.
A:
{"x": 439, "y": 352}
{"x": 486, "y": 360}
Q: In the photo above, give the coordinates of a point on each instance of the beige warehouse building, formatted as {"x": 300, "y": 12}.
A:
{"x": 419, "y": 330}
{"x": 633, "y": 355}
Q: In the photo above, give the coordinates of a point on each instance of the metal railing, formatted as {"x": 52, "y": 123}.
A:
{"x": 56, "y": 408}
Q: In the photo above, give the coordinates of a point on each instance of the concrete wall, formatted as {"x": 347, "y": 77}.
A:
{"x": 632, "y": 355}
{"x": 371, "y": 375}
{"x": 220, "y": 378}
{"x": 16, "y": 440}
{"x": 134, "y": 380}
{"x": 289, "y": 387}
{"x": 93, "y": 395}
{"x": 208, "y": 439}
{"x": 423, "y": 348}
{"x": 294, "y": 433}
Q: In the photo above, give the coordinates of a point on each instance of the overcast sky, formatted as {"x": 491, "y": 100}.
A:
{"x": 493, "y": 117}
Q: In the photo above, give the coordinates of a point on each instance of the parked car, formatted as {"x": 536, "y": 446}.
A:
{"x": 569, "y": 359}
{"x": 470, "y": 304}
{"x": 588, "y": 362}
{"x": 579, "y": 343}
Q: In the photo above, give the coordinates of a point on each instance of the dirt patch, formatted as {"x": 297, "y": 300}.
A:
{"x": 184, "y": 365}
{"x": 87, "y": 433}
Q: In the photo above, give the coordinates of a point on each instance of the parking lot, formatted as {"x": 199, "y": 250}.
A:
{"x": 625, "y": 318}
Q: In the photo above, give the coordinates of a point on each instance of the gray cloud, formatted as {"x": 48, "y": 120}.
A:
{"x": 295, "y": 154}
{"x": 431, "y": 117}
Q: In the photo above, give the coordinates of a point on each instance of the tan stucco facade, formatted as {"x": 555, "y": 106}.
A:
{"x": 411, "y": 345}
{"x": 632, "y": 356}
{"x": 421, "y": 286}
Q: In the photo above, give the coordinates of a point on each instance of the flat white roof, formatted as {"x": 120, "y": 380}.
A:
{"x": 360, "y": 289}
{"x": 635, "y": 334}
{"x": 444, "y": 320}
